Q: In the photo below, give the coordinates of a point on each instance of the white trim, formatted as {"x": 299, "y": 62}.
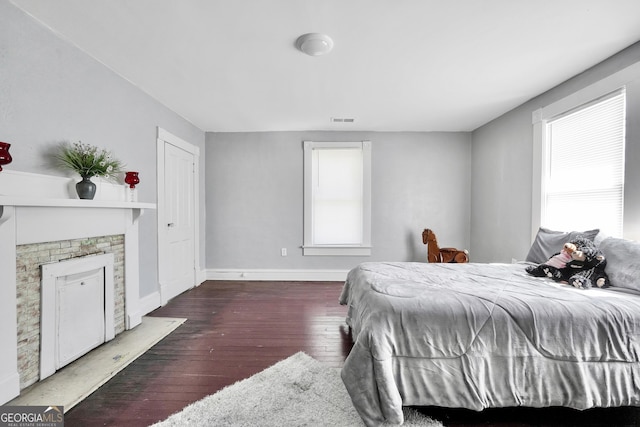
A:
{"x": 537, "y": 183}
{"x": 337, "y": 250}
{"x": 602, "y": 87}
{"x": 541, "y": 116}
{"x": 133, "y": 317}
{"x": 178, "y": 142}
{"x": 9, "y": 386}
{"x": 283, "y": 275}
{"x": 9, "y": 377}
{"x": 73, "y": 203}
{"x": 202, "y": 277}
{"x": 149, "y": 303}
{"x": 167, "y": 137}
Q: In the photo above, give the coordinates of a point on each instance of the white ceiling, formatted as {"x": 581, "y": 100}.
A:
{"x": 397, "y": 65}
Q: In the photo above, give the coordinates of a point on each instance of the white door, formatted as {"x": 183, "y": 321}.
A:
{"x": 177, "y": 268}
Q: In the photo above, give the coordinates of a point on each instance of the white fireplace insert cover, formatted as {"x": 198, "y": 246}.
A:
{"x": 77, "y": 309}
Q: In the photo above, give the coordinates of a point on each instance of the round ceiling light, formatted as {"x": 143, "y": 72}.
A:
{"x": 314, "y": 44}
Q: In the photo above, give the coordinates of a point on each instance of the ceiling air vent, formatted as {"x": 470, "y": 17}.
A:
{"x": 341, "y": 120}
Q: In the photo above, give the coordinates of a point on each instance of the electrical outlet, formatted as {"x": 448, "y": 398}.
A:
{"x": 283, "y": 251}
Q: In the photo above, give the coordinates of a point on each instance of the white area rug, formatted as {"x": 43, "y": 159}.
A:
{"x": 79, "y": 379}
{"x": 298, "y": 391}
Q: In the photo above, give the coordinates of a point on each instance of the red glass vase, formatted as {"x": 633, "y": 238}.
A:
{"x": 5, "y": 156}
{"x": 132, "y": 179}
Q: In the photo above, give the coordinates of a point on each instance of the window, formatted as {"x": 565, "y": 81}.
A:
{"x": 337, "y": 198}
{"x": 582, "y": 185}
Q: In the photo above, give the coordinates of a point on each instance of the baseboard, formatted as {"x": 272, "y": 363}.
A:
{"x": 149, "y": 303}
{"x": 284, "y": 275}
{"x": 201, "y": 277}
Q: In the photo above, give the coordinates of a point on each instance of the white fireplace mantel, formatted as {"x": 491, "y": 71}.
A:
{"x": 28, "y": 216}
{"x": 76, "y": 203}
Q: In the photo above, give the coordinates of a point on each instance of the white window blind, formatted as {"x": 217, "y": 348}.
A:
{"x": 584, "y": 186}
{"x": 337, "y": 196}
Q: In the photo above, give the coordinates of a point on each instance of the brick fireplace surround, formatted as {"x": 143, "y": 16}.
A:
{"x": 42, "y": 221}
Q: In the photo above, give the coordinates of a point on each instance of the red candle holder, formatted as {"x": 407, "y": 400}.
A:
{"x": 132, "y": 179}
{"x": 5, "y": 156}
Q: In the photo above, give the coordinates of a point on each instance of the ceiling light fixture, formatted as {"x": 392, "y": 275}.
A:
{"x": 314, "y": 44}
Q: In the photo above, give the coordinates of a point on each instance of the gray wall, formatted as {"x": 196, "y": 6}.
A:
{"x": 50, "y": 92}
{"x": 255, "y": 196}
{"x": 476, "y": 196}
{"x": 502, "y": 168}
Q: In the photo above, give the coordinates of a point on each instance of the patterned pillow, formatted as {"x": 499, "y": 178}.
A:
{"x": 549, "y": 242}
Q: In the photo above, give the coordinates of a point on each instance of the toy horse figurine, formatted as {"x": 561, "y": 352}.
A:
{"x": 436, "y": 254}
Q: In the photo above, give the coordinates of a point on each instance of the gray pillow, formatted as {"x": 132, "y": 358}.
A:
{"x": 623, "y": 262}
{"x": 549, "y": 242}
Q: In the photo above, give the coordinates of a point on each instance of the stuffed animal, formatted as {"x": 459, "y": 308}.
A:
{"x": 590, "y": 273}
{"x": 438, "y": 254}
{"x": 584, "y": 269}
{"x": 556, "y": 263}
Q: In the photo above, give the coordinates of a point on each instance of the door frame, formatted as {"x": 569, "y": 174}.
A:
{"x": 165, "y": 137}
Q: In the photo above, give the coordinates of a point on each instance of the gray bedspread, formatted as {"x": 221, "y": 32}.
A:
{"x": 485, "y": 335}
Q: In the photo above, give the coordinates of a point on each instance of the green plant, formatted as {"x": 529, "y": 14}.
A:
{"x": 88, "y": 160}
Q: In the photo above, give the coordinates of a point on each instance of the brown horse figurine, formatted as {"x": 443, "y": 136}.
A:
{"x": 437, "y": 254}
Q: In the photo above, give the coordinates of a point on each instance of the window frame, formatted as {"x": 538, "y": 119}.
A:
{"x": 308, "y": 247}
{"x": 593, "y": 193}
{"x": 540, "y": 118}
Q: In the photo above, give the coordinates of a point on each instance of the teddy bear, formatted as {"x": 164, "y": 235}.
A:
{"x": 580, "y": 264}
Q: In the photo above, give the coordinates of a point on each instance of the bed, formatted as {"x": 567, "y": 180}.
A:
{"x": 489, "y": 335}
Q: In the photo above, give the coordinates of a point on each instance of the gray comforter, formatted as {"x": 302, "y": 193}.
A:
{"x": 485, "y": 335}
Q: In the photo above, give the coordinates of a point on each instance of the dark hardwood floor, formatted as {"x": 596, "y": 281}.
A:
{"x": 236, "y": 329}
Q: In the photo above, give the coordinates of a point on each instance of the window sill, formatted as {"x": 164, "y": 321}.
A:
{"x": 336, "y": 250}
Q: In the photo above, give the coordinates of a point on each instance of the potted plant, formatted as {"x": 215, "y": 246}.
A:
{"x": 88, "y": 161}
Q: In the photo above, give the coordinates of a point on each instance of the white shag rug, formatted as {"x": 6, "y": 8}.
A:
{"x": 298, "y": 391}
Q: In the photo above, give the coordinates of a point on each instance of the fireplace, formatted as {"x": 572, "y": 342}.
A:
{"x": 38, "y": 215}
{"x": 36, "y": 263}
